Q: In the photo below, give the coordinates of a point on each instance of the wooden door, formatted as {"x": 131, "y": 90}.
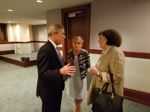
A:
{"x": 76, "y": 21}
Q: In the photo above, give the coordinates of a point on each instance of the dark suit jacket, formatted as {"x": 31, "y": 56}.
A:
{"x": 50, "y": 82}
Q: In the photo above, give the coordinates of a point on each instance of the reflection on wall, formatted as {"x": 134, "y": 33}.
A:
{"x": 20, "y": 33}
{"x": 39, "y": 34}
{"x": 17, "y": 33}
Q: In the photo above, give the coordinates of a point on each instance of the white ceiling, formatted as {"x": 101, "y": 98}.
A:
{"x": 31, "y": 12}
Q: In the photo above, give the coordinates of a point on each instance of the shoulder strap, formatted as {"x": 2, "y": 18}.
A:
{"x": 112, "y": 82}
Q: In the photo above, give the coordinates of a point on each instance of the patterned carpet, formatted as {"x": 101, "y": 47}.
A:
{"x": 17, "y": 92}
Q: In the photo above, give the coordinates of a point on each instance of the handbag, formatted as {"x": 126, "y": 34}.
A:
{"x": 104, "y": 101}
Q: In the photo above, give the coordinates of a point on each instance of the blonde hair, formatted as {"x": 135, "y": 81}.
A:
{"x": 76, "y": 37}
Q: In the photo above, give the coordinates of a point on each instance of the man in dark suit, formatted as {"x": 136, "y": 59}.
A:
{"x": 51, "y": 70}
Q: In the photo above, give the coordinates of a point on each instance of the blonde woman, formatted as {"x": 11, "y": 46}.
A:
{"x": 78, "y": 83}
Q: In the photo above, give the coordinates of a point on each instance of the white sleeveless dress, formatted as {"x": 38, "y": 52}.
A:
{"x": 77, "y": 88}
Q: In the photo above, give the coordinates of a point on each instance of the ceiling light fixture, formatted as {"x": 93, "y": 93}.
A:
{"x": 39, "y": 1}
{"x": 10, "y": 10}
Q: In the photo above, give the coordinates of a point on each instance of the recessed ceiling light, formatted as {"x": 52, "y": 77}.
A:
{"x": 9, "y": 21}
{"x": 10, "y": 10}
{"x": 39, "y": 1}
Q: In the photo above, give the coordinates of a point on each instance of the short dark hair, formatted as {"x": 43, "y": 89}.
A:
{"x": 112, "y": 36}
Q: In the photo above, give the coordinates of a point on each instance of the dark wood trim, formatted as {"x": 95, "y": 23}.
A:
{"x": 3, "y": 32}
{"x": 21, "y": 42}
{"x": 137, "y": 96}
{"x": 95, "y": 51}
{"x": 137, "y": 54}
{"x": 7, "y": 52}
{"x": 38, "y": 41}
{"x": 6, "y": 42}
{"x": 19, "y": 63}
{"x": 127, "y": 53}
{"x": 14, "y": 42}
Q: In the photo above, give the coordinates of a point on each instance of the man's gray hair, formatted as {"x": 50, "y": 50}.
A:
{"x": 54, "y": 28}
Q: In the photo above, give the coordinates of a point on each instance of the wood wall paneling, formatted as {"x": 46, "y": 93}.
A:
{"x": 3, "y": 32}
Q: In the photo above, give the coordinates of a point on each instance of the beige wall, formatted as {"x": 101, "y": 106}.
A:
{"x": 53, "y": 16}
{"x": 5, "y": 47}
{"x": 130, "y": 17}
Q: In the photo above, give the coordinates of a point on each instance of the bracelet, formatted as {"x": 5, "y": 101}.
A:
{"x": 98, "y": 73}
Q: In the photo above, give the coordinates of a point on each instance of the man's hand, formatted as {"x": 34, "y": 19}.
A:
{"x": 68, "y": 70}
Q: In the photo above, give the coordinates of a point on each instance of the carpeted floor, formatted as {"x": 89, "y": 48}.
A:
{"x": 17, "y": 92}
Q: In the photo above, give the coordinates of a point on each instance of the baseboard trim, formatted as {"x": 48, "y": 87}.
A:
{"x": 137, "y": 96}
{"x": 7, "y": 52}
{"x": 19, "y": 63}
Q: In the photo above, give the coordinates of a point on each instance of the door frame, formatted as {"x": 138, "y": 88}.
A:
{"x": 64, "y": 14}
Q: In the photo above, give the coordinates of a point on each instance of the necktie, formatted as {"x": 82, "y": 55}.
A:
{"x": 65, "y": 77}
{"x": 60, "y": 57}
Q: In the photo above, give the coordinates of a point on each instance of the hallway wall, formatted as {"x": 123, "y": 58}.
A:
{"x": 131, "y": 19}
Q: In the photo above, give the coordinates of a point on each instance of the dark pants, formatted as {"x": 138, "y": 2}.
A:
{"x": 54, "y": 105}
